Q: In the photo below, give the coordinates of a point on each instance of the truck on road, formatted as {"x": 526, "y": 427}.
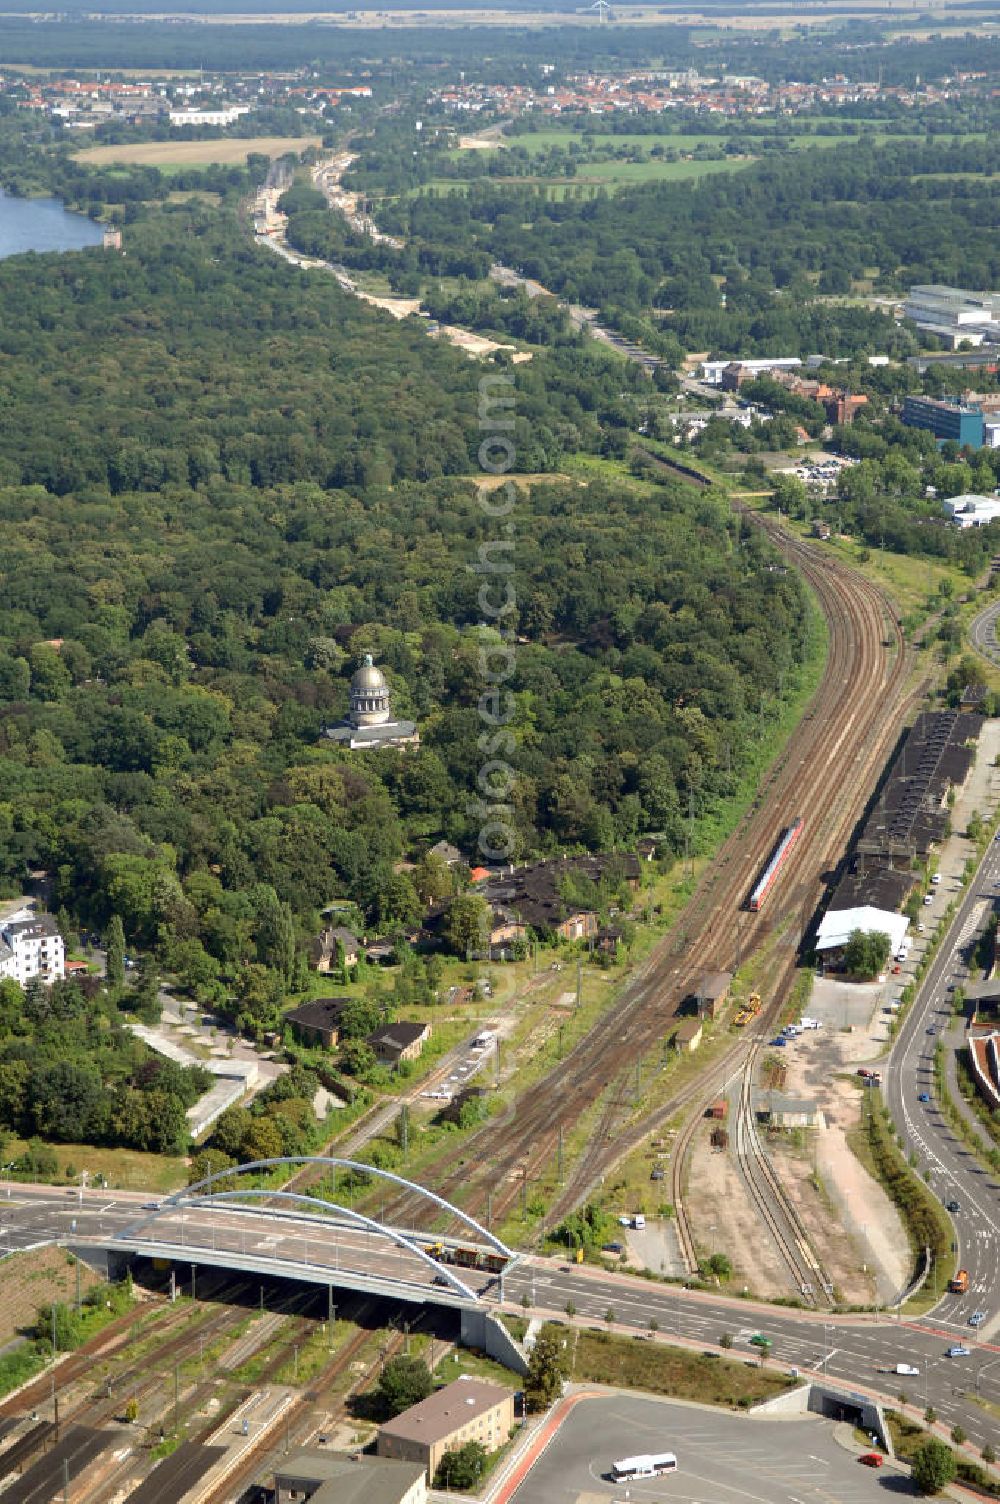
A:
{"x": 960, "y": 1284}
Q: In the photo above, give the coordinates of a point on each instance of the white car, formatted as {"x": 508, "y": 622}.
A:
{"x": 908, "y": 1370}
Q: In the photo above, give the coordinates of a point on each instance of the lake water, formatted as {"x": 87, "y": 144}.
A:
{"x": 42, "y": 224}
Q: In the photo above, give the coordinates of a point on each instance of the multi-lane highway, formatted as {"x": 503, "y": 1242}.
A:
{"x": 318, "y": 1249}
{"x": 954, "y": 1173}
{"x": 854, "y": 1350}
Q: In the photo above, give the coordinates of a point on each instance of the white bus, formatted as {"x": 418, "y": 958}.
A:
{"x": 646, "y": 1466}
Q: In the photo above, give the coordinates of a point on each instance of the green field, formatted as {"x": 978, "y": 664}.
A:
{"x": 564, "y": 136}
{"x": 594, "y": 175}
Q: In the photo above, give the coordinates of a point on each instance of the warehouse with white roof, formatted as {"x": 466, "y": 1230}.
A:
{"x": 838, "y": 925}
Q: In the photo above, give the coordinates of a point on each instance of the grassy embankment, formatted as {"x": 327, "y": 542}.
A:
{"x": 122, "y": 1169}
{"x": 657, "y": 1368}
{"x": 907, "y": 1436}
{"x": 875, "y": 1144}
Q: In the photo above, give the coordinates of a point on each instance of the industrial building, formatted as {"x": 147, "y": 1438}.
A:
{"x": 776, "y": 1110}
{"x": 908, "y": 821}
{"x": 688, "y": 1035}
{"x": 467, "y": 1410}
{"x": 711, "y": 992}
{"x": 838, "y": 925}
{"x": 969, "y": 510}
{"x": 712, "y": 370}
{"x": 954, "y": 315}
{"x": 945, "y": 420}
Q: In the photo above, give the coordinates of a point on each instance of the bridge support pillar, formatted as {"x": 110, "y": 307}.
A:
{"x": 484, "y": 1331}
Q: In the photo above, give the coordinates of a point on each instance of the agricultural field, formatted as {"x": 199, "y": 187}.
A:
{"x": 535, "y": 142}
{"x": 175, "y": 154}
{"x": 594, "y": 175}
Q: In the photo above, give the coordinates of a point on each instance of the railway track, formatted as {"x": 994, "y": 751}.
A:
{"x": 823, "y": 774}
{"x": 299, "y": 1418}
{"x": 768, "y": 1195}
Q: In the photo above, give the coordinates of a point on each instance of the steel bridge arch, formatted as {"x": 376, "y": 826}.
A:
{"x": 195, "y": 1195}
{"x": 345, "y": 1164}
{"x": 370, "y": 1224}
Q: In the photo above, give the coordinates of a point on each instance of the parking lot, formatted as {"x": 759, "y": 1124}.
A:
{"x": 722, "y": 1459}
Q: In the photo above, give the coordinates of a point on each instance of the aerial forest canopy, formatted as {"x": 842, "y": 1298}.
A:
{"x": 739, "y": 258}
{"x": 221, "y": 481}
{"x": 492, "y": 52}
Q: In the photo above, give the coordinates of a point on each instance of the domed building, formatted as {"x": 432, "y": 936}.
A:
{"x": 369, "y": 722}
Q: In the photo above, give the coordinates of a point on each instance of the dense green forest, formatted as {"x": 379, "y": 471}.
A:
{"x": 222, "y": 481}
{"x": 738, "y": 260}
{"x": 71, "y": 1072}
{"x": 491, "y": 52}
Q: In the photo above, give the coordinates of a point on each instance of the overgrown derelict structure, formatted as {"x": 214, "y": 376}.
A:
{"x": 370, "y": 722}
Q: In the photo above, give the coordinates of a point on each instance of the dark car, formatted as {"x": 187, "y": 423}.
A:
{"x": 925, "y": 1096}
{"x": 953, "y": 1206}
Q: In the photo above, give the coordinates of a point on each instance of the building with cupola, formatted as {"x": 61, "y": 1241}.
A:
{"x": 370, "y": 721}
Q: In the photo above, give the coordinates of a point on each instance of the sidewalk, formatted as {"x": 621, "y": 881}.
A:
{"x": 954, "y": 1040}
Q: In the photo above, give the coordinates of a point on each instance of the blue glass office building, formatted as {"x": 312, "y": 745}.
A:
{"x": 945, "y": 420}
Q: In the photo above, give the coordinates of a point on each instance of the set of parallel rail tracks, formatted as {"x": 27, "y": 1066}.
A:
{"x": 823, "y": 775}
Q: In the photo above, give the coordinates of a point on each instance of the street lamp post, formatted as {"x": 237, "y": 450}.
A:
{"x": 985, "y": 1369}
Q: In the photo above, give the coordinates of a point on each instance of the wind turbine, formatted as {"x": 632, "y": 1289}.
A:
{"x": 602, "y": 7}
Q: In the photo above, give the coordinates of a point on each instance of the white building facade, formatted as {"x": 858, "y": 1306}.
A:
{"x": 31, "y": 946}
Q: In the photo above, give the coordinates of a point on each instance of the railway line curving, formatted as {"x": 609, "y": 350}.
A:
{"x": 768, "y": 1195}
{"x": 823, "y": 775}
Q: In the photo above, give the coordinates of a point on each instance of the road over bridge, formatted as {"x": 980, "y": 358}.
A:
{"x": 192, "y": 1231}
{"x": 236, "y": 1220}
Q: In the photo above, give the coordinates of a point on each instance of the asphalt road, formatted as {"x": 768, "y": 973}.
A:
{"x": 955, "y": 1174}
{"x": 721, "y": 1459}
{"x": 855, "y": 1351}
{"x": 33, "y": 1215}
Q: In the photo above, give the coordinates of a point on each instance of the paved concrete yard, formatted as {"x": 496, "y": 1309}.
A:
{"x": 722, "y": 1459}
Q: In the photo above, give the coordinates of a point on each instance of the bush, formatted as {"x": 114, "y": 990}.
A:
{"x": 462, "y": 1468}
{"x": 934, "y": 1466}
{"x": 404, "y": 1382}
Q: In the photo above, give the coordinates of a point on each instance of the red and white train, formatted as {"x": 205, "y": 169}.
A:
{"x": 774, "y": 866}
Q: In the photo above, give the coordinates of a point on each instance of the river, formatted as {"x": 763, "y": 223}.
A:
{"x": 42, "y": 224}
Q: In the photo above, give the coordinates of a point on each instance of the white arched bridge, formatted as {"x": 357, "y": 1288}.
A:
{"x": 260, "y": 1227}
